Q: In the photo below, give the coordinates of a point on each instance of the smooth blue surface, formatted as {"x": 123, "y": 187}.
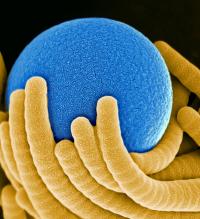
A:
{"x": 85, "y": 59}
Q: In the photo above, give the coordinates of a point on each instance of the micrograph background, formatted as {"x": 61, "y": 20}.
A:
{"x": 176, "y": 22}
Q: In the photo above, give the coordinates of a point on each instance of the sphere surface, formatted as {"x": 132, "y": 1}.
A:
{"x": 85, "y": 59}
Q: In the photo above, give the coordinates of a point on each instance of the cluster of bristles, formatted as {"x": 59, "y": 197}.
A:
{"x": 95, "y": 176}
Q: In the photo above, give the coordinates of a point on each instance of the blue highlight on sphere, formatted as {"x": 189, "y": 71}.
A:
{"x": 85, "y": 59}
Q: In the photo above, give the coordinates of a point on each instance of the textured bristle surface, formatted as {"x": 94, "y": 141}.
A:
{"x": 85, "y": 59}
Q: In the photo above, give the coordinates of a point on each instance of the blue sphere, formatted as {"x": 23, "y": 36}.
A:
{"x": 85, "y": 59}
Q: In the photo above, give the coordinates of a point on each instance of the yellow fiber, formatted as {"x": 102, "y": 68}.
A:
{"x": 87, "y": 146}
{"x": 11, "y": 210}
{"x": 185, "y": 166}
{"x": 24, "y": 202}
{"x": 7, "y": 150}
{"x": 180, "y": 67}
{"x": 3, "y": 179}
{"x": 4, "y": 166}
{"x": 189, "y": 120}
{"x": 47, "y": 205}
